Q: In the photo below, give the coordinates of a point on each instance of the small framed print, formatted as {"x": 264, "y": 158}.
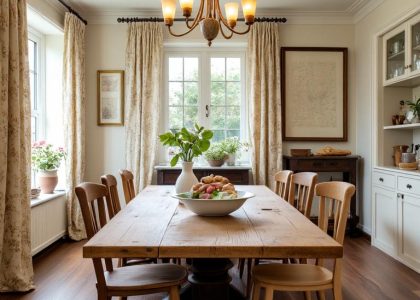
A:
{"x": 110, "y": 97}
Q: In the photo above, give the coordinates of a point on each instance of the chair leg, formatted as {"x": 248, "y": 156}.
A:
{"x": 241, "y": 265}
{"x": 269, "y": 293}
{"x": 337, "y": 294}
{"x": 256, "y": 287}
{"x": 249, "y": 277}
{"x": 308, "y": 295}
{"x": 320, "y": 295}
{"x": 174, "y": 293}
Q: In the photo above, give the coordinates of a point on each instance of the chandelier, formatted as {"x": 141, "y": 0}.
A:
{"x": 210, "y": 17}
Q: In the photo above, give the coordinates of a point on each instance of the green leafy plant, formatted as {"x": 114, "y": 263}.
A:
{"x": 414, "y": 107}
{"x": 215, "y": 152}
{"x": 45, "y": 157}
{"x": 231, "y": 145}
{"x": 190, "y": 143}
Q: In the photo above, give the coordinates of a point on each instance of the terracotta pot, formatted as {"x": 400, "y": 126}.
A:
{"x": 216, "y": 163}
{"x": 48, "y": 180}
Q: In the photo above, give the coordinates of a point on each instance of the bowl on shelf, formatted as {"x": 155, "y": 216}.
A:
{"x": 35, "y": 193}
{"x": 408, "y": 166}
{"x": 213, "y": 207}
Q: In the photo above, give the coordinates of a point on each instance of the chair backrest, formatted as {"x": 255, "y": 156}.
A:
{"x": 127, "y": 179}
{"x": 90, "y": 194}
{"x": 282, "y": 180}
{"x": 334, "y": 203}
{"x": 301, "y": 191}
{"x": 113, "y": 199}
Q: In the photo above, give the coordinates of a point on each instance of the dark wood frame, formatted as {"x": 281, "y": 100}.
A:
{"x": 283, "y": 51}
{"x": 98, "y": 81}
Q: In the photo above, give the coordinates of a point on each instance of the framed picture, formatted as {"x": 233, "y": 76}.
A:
{"x": 314, "y": 93}
{"x": 110, "y": 97}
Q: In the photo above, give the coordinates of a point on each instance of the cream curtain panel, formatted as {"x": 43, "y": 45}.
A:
{"x": 74, "y": 118}
{"x": 143, "y": 77}
{"x": 263, "y": 67}
{"x": 16, "y": 273}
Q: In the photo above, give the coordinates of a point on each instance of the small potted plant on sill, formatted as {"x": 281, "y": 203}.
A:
{"x": 46, "y": 159}
{"x": 415, "y": 108}
{"x": 231, "y": 146}
{"x": 216, "y": 155}
{"x": 189, "y": 144}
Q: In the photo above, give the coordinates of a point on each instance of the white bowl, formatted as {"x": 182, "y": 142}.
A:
{"x": 211, "y": 207}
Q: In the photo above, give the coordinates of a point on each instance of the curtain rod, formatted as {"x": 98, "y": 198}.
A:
{"x": 155, "y": 19}
{"x": 71, "y": 10}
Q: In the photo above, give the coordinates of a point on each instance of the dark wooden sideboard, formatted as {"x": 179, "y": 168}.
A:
{"x": 347, "y": 165}
{"x": 167, "y": 175}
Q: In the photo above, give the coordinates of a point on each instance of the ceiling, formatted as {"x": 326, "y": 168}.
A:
{"x": 284, "y": 5}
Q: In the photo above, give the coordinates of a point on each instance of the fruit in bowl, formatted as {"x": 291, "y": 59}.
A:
{"x": 213, "y": 196}
{"x": 214, "y": 187}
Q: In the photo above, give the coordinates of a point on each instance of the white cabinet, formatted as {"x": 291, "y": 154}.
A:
{"x": 401, "y": 52}
{"x": 384, "y": 221}
{"x": 396, "y": 215}
{"x": 409, "y": 230}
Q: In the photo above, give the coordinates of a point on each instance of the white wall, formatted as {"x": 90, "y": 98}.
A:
{"x": 384, "y": 15}
{"x": 105, "y": 50}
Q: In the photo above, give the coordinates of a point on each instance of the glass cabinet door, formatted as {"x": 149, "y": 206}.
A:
{"x": 395, "y": 55}
{"x": 415, "y": 46}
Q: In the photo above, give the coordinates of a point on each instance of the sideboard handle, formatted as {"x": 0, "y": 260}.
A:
{"x": 409, "y": 186}
{"x": 381, "y": 179}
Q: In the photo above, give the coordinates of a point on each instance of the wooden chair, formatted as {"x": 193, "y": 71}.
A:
{"x": 301, "y": 191}
{"x": 113, "y": 201}
{"x": 334, "y": 203}
{"x": 127, "y": 179}
{"x": 111, "y": 183}
{"x": 130, "y": 280}
{"x": 282, "y": 183}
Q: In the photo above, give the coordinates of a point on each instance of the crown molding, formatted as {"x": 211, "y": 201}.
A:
{"x": 351, "y": 15}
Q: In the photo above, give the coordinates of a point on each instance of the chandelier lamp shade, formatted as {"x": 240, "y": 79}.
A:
{"x": 210, "y": 17}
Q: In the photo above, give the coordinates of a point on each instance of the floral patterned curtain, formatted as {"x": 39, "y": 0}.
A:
{"x": 143, "y": 75}
{"x": 263, "y": 67}
{"x": 74, "y": 101}
{"x": 16, "y": 273}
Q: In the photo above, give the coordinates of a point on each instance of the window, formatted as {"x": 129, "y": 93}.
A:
{"x": 207, "y": 88}
{"x": 36, "y": 68}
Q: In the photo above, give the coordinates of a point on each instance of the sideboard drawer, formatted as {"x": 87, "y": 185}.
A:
{"x": 383, "y": 180}
{"x": 408, "y": 185}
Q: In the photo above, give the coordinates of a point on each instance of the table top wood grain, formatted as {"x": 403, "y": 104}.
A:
{"x": 155, "y": 225}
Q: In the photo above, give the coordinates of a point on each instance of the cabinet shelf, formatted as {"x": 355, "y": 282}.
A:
{"x": 397, "y": 56}
{"x": 404, "y": 126}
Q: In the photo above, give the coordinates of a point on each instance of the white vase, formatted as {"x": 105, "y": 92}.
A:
{"x": 186, "y": 179}
{"x": 231, "y": 159}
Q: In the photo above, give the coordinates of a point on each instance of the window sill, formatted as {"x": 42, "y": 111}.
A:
{"x": 46, "y": 197}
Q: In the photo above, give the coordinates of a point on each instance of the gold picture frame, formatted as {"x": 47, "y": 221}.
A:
{"x": 110, "y": 97}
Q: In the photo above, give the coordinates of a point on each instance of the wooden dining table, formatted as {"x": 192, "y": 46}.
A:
{"x": 155, "y": 225}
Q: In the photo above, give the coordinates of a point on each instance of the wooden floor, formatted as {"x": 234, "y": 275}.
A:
{"x": 61, "y": 273}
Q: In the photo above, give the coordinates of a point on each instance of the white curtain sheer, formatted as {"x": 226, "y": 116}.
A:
{"x": 16, "y": 272}
{"x": 143, "y": 77}
{"x": 74, "y": 102}
{"x": 263, "y": 67}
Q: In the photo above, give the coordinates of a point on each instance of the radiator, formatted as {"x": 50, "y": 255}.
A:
{"x": 48, "y": 221}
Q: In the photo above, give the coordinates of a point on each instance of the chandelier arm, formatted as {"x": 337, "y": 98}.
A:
{"x": 197, "y": 18}
{"x": 181, "y": 34}
{"x": 228, "y": 37}
{"x": 224, "y": 21}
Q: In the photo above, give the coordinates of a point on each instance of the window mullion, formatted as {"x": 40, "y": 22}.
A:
{"x": 205, "y": 84}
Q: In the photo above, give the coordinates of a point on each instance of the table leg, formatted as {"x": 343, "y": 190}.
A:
{"x": 210, "y": 280}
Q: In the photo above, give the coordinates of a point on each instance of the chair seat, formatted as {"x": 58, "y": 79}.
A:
{"x": 292, "y": 275}
{"x": 144, "y": 277}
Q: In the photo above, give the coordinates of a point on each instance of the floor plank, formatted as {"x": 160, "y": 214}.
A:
{"x": 61, "y": 273}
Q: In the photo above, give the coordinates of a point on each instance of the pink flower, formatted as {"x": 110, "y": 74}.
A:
{"x": 61, "y": 149}
{"x": 35, "y": 145}
{"x": 42, "y": 143}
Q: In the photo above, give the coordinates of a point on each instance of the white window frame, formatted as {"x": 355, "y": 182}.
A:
{"x": 39, "y": 38}
{"x": 204, "y": 83}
